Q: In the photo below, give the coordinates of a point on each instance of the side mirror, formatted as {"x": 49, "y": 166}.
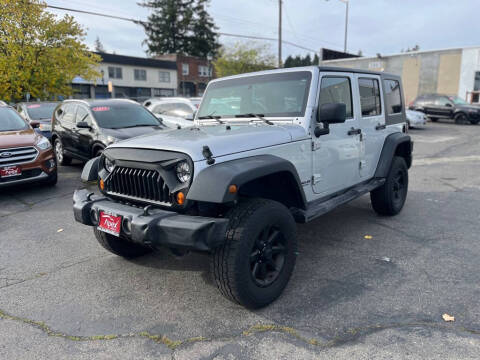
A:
{"x": 335, "y": 113}
{"x": 448, "y": 105}
{"x": 83, "y": 125}
{"x": 190, "y": 116}
{"x": 34, "y": 124}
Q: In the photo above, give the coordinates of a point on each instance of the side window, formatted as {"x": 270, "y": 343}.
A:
{"x": 369, "y": 97}
{"x": 441, "y": 101}
{"x": 69, "y": 113}
{"x": 393, "y": 98}
{"x": 161, "y": 109}
{"x": 83, "y": 115}
{"x": 336, "y": 89}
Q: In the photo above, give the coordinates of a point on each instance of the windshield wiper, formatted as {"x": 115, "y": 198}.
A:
{"x": 214, "y": 117}
{"x": 137, "y": 125}
{"x": 258, "y": 116}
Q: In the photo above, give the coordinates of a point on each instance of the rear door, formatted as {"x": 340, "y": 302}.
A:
{"x": 66, "y": 125}
{"x": 336, "y": 155}
{"x": 83, "y": 137}
{"x": 372, "y": 122}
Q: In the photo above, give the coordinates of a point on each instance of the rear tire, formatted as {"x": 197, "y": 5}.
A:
{"x": 255, "y": 263}
{"x": 389, "y": 198}
{"x": 461, "y": 119}
{"x": 62, "y": 159}
{"x": 119, "y": 246}
{"x": 474, "y": 121}
{"x": 433, "y": 119}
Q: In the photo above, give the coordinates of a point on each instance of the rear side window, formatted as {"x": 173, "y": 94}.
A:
{"x": 369, "y": 97}
{"x": 69, "y": 113}
{"x": 393, "y": 98}
{"x": 336, "y": 89}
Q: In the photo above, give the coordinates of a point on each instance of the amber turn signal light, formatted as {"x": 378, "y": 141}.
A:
{"x": 102, "y": 184}
{"x": 180, "y": 198}
{"x": 232, "y": 189}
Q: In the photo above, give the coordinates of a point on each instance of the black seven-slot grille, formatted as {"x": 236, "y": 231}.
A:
{"x": 138, "y": 184}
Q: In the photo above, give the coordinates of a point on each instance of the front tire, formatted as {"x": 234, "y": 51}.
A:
{"x": 119, "y": 246}
{"x": 461, "y": 118}
{"x": 52, "y": 179}
{"x": 62, "y": 159}
{"x": 389, "y": 198}
{"x": 256, "y": 261}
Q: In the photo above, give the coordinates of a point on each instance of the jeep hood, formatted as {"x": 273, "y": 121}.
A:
{"x": 218, "y": 138}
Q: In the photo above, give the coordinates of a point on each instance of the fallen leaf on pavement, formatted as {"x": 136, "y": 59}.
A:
{"x": 447, "y": 317}
{"x": 368, "y": 237}
{"x": 59, "y": 230}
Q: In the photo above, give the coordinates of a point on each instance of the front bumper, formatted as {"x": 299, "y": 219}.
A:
{"x": 155, "y": 227}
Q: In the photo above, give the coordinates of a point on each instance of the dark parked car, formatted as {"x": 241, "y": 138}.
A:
{"x": 39, "y": 113}
{"x": 437, "y": 106}
{"x": 81, "y": 129}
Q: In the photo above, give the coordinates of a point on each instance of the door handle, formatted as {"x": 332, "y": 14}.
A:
{"x": 353, "y": 131}
{"x": 380, "y": 127}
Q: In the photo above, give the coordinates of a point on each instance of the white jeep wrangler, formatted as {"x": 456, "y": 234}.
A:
{"x": 268, "y": 149}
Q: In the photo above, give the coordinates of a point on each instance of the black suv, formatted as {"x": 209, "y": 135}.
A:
{"x": 437, "y": 106}
{"x": 81, "y": 129}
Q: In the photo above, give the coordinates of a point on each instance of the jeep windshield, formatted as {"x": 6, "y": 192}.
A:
{"x": 119, "y": 116}
{"x": 41, "y": 111}
{"x": 271, "y": 95}
{"x": 11, "y": 121}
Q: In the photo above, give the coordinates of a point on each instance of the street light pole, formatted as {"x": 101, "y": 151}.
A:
{"x": 346, "y": 2}
{"x": 346, "y": 25}
{"x": 279, "y": 33}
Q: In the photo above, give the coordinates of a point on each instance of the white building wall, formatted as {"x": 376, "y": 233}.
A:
{"x": 470, "y": 64}
{"x": 129, "y": 80}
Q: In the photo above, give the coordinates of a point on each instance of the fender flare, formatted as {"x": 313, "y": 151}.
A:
{"x": 90, "y": 170}
{"x": 392, "y": 142}
{"x": 211, "y": 184}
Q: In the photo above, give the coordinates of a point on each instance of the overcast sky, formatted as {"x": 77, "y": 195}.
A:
{"x": 375, "y": 26}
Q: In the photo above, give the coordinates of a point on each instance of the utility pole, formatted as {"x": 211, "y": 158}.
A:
{"x": 346, "y": 27}
{"x": 279, "y": 33}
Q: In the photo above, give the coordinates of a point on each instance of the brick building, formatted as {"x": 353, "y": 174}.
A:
{"x": 194, "y": 73}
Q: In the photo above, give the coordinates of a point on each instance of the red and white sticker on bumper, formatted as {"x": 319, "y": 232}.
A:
{"x": 110, "y": 223}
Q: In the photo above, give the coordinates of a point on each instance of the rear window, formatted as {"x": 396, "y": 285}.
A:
{"x": 11, "y": 121}
{"x": 117, "y": 116}
{"x": 173, "y": 109}
{"x": 369, "y": 97}
{"x": 40, "y": 111}
{"x": 393, "y": 98}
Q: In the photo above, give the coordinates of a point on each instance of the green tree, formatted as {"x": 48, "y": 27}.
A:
{"x": 316, "y": 60}
{"x": 204, "y": 40}
{"x": 180, "y": 26}
{"x": 242, "y": 58}
{"x": 40, "y": 53}
{"x": 98, "y": 46}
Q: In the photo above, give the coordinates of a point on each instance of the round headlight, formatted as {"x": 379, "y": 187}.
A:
{"x": 109, "y": 164}
{"x": 184, "y": 172}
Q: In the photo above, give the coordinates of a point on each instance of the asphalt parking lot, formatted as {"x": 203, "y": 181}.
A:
{"x": 351, "y": 296}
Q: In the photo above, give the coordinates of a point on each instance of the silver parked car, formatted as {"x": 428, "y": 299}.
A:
{"x": 416, "y": 119}
{"x": 173, "y": 111}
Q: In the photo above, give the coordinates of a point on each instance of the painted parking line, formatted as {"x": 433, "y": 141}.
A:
{"x": 445, "y": 160}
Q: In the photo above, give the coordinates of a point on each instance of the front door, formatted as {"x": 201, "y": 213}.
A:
{"x": 83, "y": 137}
{"x": 336, "y": 155}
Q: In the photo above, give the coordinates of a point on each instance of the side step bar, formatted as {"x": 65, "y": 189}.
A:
{"x": 322, "y": 206}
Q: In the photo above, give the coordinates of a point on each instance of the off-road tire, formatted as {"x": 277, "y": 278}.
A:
{"x": 231, "y": 263}
{"x": 61, "y": 159}
{"x": 385, "y": 199}
{"x": 461, "y": 119}
{"x": 120, "y": 246}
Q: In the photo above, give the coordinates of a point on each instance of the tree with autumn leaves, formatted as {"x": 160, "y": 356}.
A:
{"x": 40, "y": 53}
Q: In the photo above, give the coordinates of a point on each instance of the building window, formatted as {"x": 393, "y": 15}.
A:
{"x": 185, "y": 69}
{"x": 140, "y": 74}
{"x": 114, "y": 72}
{"x": 163, "y": 92}
{"x": 204, "y": 71}
{"x": 392, "y": 96}
{"x": 164, "y": 76}
{"x": 369, "y": 97}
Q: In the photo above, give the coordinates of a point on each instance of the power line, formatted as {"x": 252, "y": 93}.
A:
{"x": 135, "y": 21}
